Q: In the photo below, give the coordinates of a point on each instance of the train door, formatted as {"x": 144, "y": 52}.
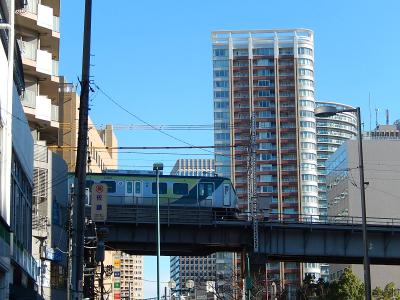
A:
{"x": 205, "y": 194}
{"x": 129, "y": 192}
{"x": 227, "y": 194}
{"x": 138, "y": 192}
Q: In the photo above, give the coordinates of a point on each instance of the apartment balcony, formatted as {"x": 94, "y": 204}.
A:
{"x": 38, "y": 63}
{"x": 240, "y": 88}
{"x": 29, "y": 99}
{"x": 37, "y": 60}
{"x": 40, "y": 17}
{"x": 40, "y": 110}
{"x": 44, "y": 20}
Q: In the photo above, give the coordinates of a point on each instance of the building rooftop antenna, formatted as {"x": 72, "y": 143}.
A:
{"x": 387, "y": 116}
{"x": 369, "y": 108}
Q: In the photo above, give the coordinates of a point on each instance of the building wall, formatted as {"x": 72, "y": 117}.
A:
{"x": 50, "y": 219}
{"x": 384, "y": 132}
{"x": 17, "y": 267}
{"x": 331, "y": 133}
{"x": 194, "y": 167}
{"x": 100, "y": 157}
{"x": 132, "y": 268}
{"x": 38, "y": 36}
{"x": 268, "y": 73}
{"x": 198, "y": 268}
{"x": 381, "y": 173}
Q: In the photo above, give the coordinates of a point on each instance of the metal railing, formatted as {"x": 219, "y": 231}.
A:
{"x": 29, "y": 99}
{"x": 28, "y": 49}
{"x": 130, "y": 209}
{"x": 56, "y": 23}
{"x": 325, "y": 219}
{"x": 24, "y": 259}
{"x": 31, "y": 6}
{"x": 54, "y": 113}
{"x": 54, "y": 68}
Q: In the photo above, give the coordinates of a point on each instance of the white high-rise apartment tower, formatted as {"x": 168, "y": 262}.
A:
{"x": 269, "y": 73}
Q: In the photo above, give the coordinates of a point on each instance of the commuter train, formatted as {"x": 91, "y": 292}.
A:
{"x": 216, "y": 193}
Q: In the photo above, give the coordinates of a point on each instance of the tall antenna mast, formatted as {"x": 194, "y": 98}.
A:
{"x": 370, "y": 113}
{"x": 387, "y": 117}
{"x": 376, "y": 117}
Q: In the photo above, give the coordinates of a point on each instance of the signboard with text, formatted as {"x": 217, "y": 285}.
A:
{"x": 117, "y": 277}
{"x": 99, "y": 202}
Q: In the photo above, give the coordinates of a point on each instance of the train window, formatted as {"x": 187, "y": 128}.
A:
{"x": 111, "y": 186}
{"x": 129, "y": 187}
{"x": 206, "y": 190}
{"x": 163, "y": 188}
{"x": 137, "y": 188}
{"x": 89, "y": 183}
{"x": 180, "y": 189}
{"x": 227, "y": 200}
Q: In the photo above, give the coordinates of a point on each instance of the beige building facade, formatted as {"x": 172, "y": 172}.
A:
{"x": 99, "y": 158}
{"x": 131, "y": 275}
{"x": 53, "y": 121}
{"x": 37, "y": 34}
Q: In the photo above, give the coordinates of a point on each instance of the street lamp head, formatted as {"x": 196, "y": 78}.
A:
{"x": 158, "y": 166}
{"x": 189, "y": 284}
{"x": 325, "y": 111}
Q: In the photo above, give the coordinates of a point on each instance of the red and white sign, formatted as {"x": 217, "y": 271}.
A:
{"x": 99, "y": 202}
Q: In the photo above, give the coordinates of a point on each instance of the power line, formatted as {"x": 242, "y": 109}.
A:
{"x": 144, "y": 147}
{"x": 143, "y": 121}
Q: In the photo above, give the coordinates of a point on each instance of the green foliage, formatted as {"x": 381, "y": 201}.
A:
{"x": 390, "y": 292}
{"x": 377, "y": 293}
{"x": 349, "y": 287}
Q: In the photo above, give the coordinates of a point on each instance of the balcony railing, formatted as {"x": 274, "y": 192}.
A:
{"x": 29, "y": 99}
{"x": 28, "y": 49}
{"x": 24, "y": 259}
{"x": 54, "y": 113}
{"x": 56, "y": 23}
{"x": 31, "y": 6}
{"x": 55, "y": 68}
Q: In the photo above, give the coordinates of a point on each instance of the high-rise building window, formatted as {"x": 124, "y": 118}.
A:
{"x": 306, "y": 72}
{"x": 220, "y": 52}
{"x": 263, "y": 51}
{"x": 305, "y": 61}
{"x": 286, "y": 51}
{"x": 221, "y": 73}
{"x": 264, "y": 62}
{"x": 264, "y": 72}
{"x": 304, "y": 50}
{"x": 221, "y": 94}
{"x": 221, "y": 84}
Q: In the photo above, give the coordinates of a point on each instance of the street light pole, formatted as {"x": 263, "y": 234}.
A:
{"x": 158, "y": 167}
{"x": 367, "y": 271}
{"x": 328, "y": 111}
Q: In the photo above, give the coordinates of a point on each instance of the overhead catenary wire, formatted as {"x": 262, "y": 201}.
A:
{"x": 143, "y": 121}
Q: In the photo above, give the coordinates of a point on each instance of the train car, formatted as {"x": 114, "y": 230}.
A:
{"x": 216, "y": 193}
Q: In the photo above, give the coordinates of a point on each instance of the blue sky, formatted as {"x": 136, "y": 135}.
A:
{"x": 154, "y": 58}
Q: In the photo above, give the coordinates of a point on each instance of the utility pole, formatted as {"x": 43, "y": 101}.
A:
{"x": 252, "y": 184}
{"x": 80, "y": 169}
